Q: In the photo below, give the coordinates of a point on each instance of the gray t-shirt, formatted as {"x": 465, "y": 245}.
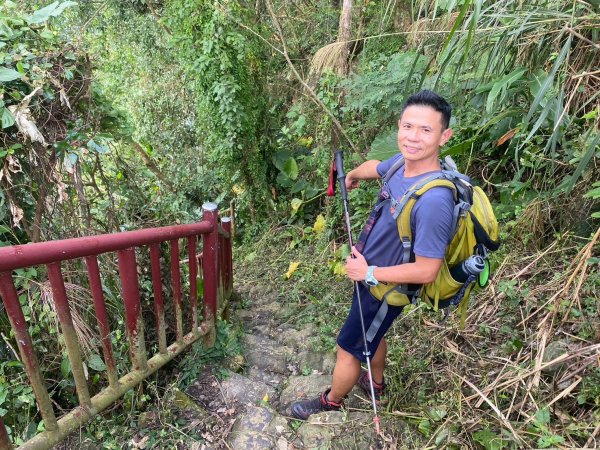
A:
{"x": 431, "y": 221}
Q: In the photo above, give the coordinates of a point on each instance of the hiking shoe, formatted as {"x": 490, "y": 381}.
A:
{"x": 304, "y": 408}
{"x": 365, "y": 385}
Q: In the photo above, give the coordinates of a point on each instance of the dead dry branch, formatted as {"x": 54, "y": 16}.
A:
{"x": 498, "y": 384}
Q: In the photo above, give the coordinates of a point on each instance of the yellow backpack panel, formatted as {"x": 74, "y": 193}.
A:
{"x": 475, "y": 232}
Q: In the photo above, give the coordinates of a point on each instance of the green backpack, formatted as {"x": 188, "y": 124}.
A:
{"x": 475, "y": 233}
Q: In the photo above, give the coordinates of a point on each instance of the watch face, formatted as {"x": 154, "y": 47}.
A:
{"x": 370, "y": 278}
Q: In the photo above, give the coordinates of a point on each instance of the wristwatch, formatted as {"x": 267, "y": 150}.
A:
{"x": 370, "y": 277}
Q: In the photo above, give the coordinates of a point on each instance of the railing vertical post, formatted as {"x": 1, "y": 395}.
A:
{"x": 232, "y": 218}
{"x": 227, "y": 256}
{"x": 210, "y": 261}
{"x": 4, "y": 441}
{"x": 159, "y": 309}
{"x": 193, "y": 262}
{"x": 176, "y": 277}
{"x": 102, "y": 316}
{"x": 19, "y": 326}
{"x": 221, "y": 276}
{"x": 133, "y": 308}
{"x": 61, "y": 303}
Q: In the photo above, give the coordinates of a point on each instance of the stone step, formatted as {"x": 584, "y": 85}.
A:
{"x": 266, "y": 353}
{"x": 243, "y": 390}
{"x": 260, "y": 428}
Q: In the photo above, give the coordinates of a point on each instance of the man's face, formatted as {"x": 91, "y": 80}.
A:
{"x": 420, "y": 134}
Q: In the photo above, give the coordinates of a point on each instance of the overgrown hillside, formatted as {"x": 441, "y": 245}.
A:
{"x": 124, "y": 114}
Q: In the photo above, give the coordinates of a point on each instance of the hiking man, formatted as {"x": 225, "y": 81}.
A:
{"x": 423, "y": 129}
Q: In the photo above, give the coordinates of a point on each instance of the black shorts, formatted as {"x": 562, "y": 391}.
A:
{"x": 351, "y": 336}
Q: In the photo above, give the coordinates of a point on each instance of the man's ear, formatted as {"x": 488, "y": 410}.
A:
{"x": 446, "y": 135}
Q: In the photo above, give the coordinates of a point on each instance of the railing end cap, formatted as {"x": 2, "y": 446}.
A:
{"x": 226, "y": 219}
{"x": 209, "y": 206}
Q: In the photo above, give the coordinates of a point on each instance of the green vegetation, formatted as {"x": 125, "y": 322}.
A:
{"x": 126, "y": 114}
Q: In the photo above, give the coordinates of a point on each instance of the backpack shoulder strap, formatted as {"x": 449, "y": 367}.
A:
{"x": 411, "y": 196}
{"x": 408, "y": 202}
{"x": 390, "y": 173}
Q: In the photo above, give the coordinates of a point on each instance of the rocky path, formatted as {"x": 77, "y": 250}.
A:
{"x": 253, "y": 404}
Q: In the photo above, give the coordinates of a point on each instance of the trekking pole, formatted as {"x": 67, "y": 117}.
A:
{"x": 341, "y": 176}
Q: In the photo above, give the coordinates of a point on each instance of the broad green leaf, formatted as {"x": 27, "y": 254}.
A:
{"x": 98, "y": 148}
{"x": 425, "y": 427}
{"x": 65, "y": 367}
{"x": 64, "y": 5}
{"x": 52, "y": 10}
{"x": 384, "y": 146}
{"x": 96, "y": 363}
{"x": 70, "y": 161}
{"x": 441, "y": 436}
{"x": 339, "y": 268}
{"x": 343, "y": 251}
{"x": 284, "y": 181}
{"x": 7, "y": 118}
{"x": 299, "y": 186}
{"x": 550, "y": 441}
{"x": 7, "y": 74}
{"x": 41, "y": 15}
{"x": 280, "y": 158}
{"x": 488, "y": 439}
{"x": 47, "y": 34}
{"x": 437, "y": 414}
{"x": 296, "y": 203}
{"x": 290, "y": 168}
{"x": 3, "y": 393}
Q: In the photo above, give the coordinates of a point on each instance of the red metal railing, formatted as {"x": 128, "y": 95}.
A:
{"x": 216, "y": 263}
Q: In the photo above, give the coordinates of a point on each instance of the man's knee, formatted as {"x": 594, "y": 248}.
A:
{"x": 344, "y": 357}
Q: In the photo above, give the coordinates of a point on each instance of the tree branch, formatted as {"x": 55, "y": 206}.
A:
{"x": 312, "y": 93}
{"x": 151, "y": 165}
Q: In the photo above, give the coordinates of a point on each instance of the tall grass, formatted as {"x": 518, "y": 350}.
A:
{"x": 540, "y": 57}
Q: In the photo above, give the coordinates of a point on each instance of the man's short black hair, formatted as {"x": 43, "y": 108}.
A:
{"x": 433, "y": 100}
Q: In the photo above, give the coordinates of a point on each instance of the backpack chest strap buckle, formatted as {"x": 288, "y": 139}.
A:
{"x": 406, "y": 248}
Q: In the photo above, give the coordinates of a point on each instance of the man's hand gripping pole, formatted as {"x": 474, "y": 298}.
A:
{"x": 341, "y": 177}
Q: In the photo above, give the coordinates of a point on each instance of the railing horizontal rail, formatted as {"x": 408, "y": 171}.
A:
{"x": 20, "y": 256}
{"x": 215, "y": 269}
{"x": 104, "y": 399}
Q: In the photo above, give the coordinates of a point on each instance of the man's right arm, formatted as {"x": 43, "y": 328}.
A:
{"x": 366, "y": 171}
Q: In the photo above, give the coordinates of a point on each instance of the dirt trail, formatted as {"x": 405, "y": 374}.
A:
{"x": 252, "y": 404}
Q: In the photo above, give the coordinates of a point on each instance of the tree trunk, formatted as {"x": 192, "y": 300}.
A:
{"x": 344, "y": 35}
